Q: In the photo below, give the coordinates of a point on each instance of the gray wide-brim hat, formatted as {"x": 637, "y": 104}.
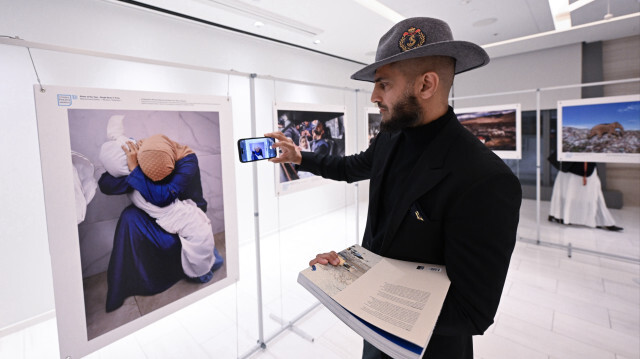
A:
{"x": 423, "y": 36}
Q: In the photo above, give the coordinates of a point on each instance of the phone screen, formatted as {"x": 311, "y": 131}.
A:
{"x": 256, "y": 149}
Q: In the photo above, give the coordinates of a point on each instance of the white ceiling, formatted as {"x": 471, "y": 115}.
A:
{"x": 347, "y": 29}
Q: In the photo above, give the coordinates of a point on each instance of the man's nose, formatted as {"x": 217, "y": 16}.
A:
{"x": 375, "y": 96}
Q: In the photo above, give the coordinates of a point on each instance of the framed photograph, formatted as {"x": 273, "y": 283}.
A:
{"x": 315, "y": 128}
{"x": 604, "y": 129}
{"x": 140, "y": 204}
{"x": 498, "y": 127}
{"x": 372, "y": 123}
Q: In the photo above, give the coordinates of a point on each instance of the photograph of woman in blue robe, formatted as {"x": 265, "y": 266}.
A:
{"x": 143, "y": 243}
{"x": 146, "y": 259}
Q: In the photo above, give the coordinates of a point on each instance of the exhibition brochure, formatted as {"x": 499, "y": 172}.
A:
{"x": 392, "y": 304}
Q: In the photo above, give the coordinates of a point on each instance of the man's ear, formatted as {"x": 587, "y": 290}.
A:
{"x": 427, "y": 85}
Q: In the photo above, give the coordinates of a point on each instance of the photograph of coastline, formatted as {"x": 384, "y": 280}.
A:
{"x": 498, "y": 127}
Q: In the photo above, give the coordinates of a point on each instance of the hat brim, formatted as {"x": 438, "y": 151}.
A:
{"x": 468, "y": 57}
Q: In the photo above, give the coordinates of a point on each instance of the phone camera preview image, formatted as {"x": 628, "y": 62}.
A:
{"x": 256, "y": 149}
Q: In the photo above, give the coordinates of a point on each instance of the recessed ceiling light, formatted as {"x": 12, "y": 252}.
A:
{"x": 465, "y": 2}
{"x": 258, "y": 24}
{"x": 316, "y": 42}
{"x": 561, "y": 12}
{"x": 485, "y": 22}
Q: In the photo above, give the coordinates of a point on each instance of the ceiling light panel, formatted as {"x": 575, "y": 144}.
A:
{"x": 264, "y": 15}
{"x": 381, "y": 9}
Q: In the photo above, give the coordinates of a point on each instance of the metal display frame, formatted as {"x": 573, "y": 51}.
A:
{"x": 538, "y": 91}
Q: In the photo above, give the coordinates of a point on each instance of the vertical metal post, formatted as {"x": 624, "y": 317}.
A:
{"x": 538, "y": 166}
{"x": 256, "y": 215}
{"x": 546, "y": 150}
{"x": 356, "y": 184}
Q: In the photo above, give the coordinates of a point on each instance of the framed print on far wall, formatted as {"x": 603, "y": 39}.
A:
{"x": 118, "y": 263}
{"x": 372, "y": 123}
{"x": 498, "y": 127}
{"x": 603, "y": 129}
{"x": 314, "y": 128}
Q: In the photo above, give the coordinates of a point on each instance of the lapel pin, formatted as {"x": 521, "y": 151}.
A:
{"x": 418, "y": 216}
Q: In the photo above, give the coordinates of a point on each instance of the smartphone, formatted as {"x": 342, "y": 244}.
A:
{"x": 256, "y": 149}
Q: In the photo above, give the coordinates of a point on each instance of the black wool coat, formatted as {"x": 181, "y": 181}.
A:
{"x": 468, "y": 202}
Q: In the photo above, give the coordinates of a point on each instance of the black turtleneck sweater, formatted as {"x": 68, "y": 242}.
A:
{"x": 412, "y": 143}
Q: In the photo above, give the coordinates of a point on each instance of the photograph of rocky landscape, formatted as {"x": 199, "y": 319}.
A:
{"x": 496, "y": 129}
{"x": 577, "y": 140}
{"x": 601, "y": 128}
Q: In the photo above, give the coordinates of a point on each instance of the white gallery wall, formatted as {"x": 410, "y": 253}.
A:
{"x": 620, "y": 60}
{"x": 558, "y": 66}
{"x": 25, "y": 276}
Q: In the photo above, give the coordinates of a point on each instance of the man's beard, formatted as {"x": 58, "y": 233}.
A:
{"x": 406, "y": 113}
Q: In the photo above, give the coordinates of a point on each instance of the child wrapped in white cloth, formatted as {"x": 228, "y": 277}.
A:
{"x": 182, "y": 217}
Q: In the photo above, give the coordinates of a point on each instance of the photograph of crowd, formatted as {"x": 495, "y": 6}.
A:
{"x": 313, "y": 131}
{"x": 607, "y": 128}
{"x": 497, "y": 127}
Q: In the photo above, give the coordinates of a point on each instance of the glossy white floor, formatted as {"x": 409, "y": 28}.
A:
{"x": 553, "y": 306}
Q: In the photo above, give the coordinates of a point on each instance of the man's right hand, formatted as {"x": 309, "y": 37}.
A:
{"x": 289, "y": 152}
{"x": 326, "y": 258}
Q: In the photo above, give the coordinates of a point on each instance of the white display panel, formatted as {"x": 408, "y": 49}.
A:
{"x": 498, "y": 127}
{"x": 603, "y": 129}
{"x": 372, "y": 123}
{"x": 74, "y": 120}
{"x": 301, "y": 120}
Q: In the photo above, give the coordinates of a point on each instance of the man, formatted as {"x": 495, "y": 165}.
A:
{"x": 437, "y": 195}
{"x": 319, "y": 145}
{"x": 286, "y": 126}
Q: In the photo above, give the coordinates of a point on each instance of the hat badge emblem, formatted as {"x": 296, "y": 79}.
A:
{"x": 411, "y": 39}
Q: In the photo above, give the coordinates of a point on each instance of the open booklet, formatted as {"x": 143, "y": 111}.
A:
{"x": 391, "y": 303}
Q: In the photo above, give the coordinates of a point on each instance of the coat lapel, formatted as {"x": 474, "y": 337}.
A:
{"x": 426, "y": 174}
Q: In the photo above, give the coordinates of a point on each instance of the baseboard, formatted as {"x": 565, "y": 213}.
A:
{"x": 13, "y": 328}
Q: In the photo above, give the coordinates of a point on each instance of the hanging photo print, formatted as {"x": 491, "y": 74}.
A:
{"x": 140, "y": 203}
{"x": 498, "y": 127}
{"x": 314, "y": 128}
{"x": 604, "y": 129}
{"x": 372, "y": 123}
